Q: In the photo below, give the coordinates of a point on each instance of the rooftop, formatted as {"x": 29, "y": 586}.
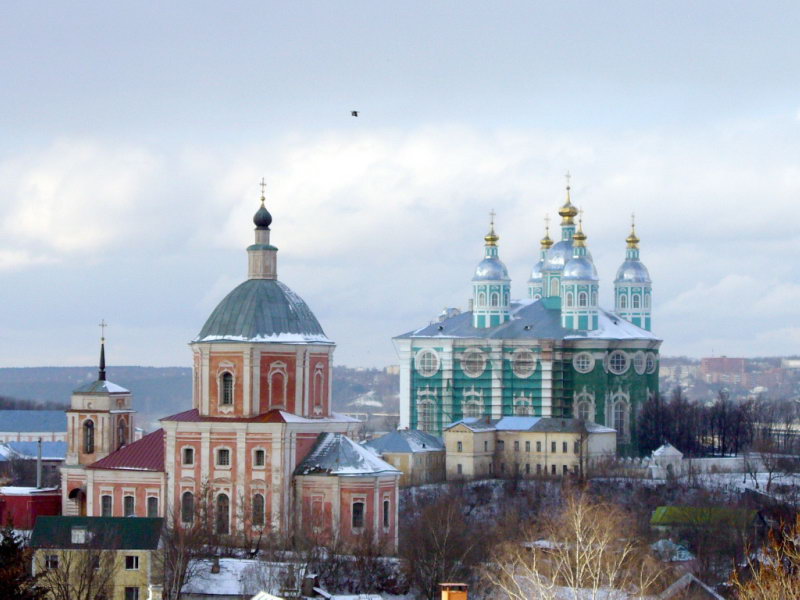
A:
{"x": 101, "y": 386}
{"x": 406, "y": 440}
{"x": 273, "y": 416}
{"x": 146, "y": 454}
{"x": 118, "y": 533}
{"x": 541, "y": 424}
{"x": 30, "y": 450}
{"x": 336, "y": 454}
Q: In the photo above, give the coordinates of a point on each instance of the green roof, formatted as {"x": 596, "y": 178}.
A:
{"x": 113, "y": 533}
{"x": 703, "y": 516}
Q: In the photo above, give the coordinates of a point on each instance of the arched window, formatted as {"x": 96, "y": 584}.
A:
{"x": 554, "y": 287}
{"x": 621, "y": 419}
{"x": 152, "y": 507}
{"x": 570, "y": 299}
{"x": 258, "y": 510}
{"x": 88, "y": 437}
{"x": 481, "y": 299}
{"x": 585, "y": 411}
{"x": 472, "y": 408}
{"x": 122, "y": 429}
{"x": 636, "y": 300}
{"x": 594, "y": 298}
{"x": 495, "y": 299}
{"x": 226, "y": 389}
{"x": 505, "y": 298}
{"x": 647, "y": 300}
{"x": 623, "y": 301}
{"x": 106, "y": 503}
{"x": 386, "y": 514}
{"x": 319, "y": 386}
{"x": 523, "y": 408}
{"x": 358, "y": 515}
{"x": 187, "y": 507}
{"x": 583, "y": 299}
{"x": 427, "y": 416}
{"x": 223, "y": 517}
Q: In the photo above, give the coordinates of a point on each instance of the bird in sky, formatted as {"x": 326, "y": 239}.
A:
{"x": 353, "y": 113}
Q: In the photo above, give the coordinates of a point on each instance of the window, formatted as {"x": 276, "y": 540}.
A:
{"x": 527, "y": 469}
{"x": 473, "y": 362}
{"x": 482, "y": 299}
{"x": 539, "y": 446}
{"x": 106, "y": 504}
{"x": 88, "y": 437}
{"x": 524, "y": 363}
{"x": 538, "y": 469}
{"x": 569, "y": 299}
{"x": 623, "y": 301}
{"x": 122, "y": 428}
{"x": 472, "y": 409}
{"x": 96, "y": 563}
{"x": 131, "y": 593}
{"x": 458, "y": 469}
{"x": 583, "y": 299}
{"x": 258, "y": 510}
{"x": 584, "y": 411}
{"x": 639, "y": 362}
{"x": 427, "y": 416}
{"x": 647, "y": 300}
{"x": 226, "y": 389}
{"x": 152, "y": 507}
{"x": 188, "y": 456}
{"x": 651, "y": 362}
{"x": 618, "y": 362}
{"x": 553, "y": 469}
{"x": 516, "y": 445}
{"x": 427, "y": 363}
{"x": 554, "y": 287}
{"x": 485, "y": 445}
{"x": 223, "y": 457}
{"x": 51, "y": 561}
{"x": 636, "y": 301}
{"x": 131, "y": 563}
{"x": 78, "y": 535}
{"x": 583, "y": 362}
{"x": 358, "y": 515}
{"x": 577, "y": 448}
{"x": 620, "y": 419}
{"x": 495, "y": 299}
{"x": 459, "y": 446}
{"x": 223, "y": 518}
{"x": 128, "y": 506}
{"x": 187, "y": 507}
{"x": 565, "y": 469}
{"x": 527, "y": 446}
{"x": 386, "y": 514}
{"x": 564, "y": 447}
{"x": 259, "y": 458}
{"x": 501, "y": 445}
{"x": 552, "y": 447}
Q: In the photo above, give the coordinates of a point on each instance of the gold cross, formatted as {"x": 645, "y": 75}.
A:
{"x": 263, "y": 185}
{"x": 103, "y": 326}
{"x": 491, "y": 216}
{"x": 567, "y": 176}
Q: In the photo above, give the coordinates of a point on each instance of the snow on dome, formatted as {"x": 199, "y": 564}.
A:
{"x": 336, "y": 454}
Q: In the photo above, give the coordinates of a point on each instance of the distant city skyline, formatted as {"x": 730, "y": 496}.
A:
{"x": 135, "y": 137}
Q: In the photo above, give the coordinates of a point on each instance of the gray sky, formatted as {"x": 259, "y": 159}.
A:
{"x": 134, "y": 135}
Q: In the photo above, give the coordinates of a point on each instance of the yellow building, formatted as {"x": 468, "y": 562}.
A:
{"x": 418, "y": 455}
{"x": 524, "y": 447}
{"x": 87, "y": 557}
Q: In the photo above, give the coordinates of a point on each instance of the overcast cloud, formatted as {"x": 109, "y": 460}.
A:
{"x": 136, "y": 135}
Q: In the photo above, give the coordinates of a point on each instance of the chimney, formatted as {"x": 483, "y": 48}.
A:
{"x": 215, "y": 565}
{"x": 454, "y": 591}
{"x": 39, "y": 464}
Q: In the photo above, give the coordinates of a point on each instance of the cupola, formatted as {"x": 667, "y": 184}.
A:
{"x": 491, "y": 285}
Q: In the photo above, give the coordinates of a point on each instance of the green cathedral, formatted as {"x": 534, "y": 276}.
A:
{"x": 556, "y": 353}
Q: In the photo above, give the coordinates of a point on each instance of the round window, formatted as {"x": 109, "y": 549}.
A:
{"x": 583, "y": 362}
{"x": 427, "y": 363}
{"x": 618, "y": 362}
{"x": 651, "y": 362}
{"x": 524, "y": 363}
{"x": 639, "y": 362}
{"x": 473, "y": 362}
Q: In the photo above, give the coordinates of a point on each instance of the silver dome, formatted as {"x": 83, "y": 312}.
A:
{"x": 490, "y": 269}
{"x": 559, "y": 255}
{"x": 536, "y": 272}
{"x": 580, "y": 267}
{"x": 632, "y": 271}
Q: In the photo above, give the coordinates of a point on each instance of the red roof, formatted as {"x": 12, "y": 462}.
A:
{"x": 193, "y": 416}
{"x": 146, "y": 454}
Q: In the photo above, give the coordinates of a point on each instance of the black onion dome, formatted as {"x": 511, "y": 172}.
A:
{"x": 262, "y": 218}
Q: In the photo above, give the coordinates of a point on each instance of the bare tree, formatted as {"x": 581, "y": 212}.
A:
{"x": 775, "y": 574}
{"x": 80, "y": 574}
{"x": 585, "y": 550}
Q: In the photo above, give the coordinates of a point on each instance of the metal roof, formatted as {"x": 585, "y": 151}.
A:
{"x": 146, "y": 454}
{"x": 262, "y": 310}
{"x": 337, "y": 454}
{"x": 116, "y": 533}
{"x": 540, "y": 424}
{"x": 33, "y": 420}
{"x": 406, "y": 440}
{"x": 101, "y": 386}
{"x": 530, "y": 319}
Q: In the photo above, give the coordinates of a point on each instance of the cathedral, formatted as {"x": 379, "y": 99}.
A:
{"x": 260, "y": 448}
{"x": 556, "y": 353}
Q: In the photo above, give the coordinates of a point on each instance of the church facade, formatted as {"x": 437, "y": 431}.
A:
{"x": 556, "y": 353}
{"x": 261, "y": 406}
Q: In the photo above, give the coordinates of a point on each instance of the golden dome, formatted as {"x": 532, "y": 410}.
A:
{"x": 547, "y": 243}
{"x": 579, "y": 239}
{"x": 568, "y": 211}
{"x": 632, "y": 239}
{"x": 491, "y": 238}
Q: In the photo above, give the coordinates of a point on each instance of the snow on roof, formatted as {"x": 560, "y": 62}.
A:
{"x": 12, "y": 490}
{"x": 239, "y": 577}
{"x": 101, "y": 387}
{"x": 33, "y": 420}
{"x": 406, "y": 440}
{"x": 336, "y": 454}
{"x": 30, "y": 450}
{"x": 667, "y": 449}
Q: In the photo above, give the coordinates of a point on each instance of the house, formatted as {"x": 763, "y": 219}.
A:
{"x": 667, "y": 518}
{"x": 116, "y": 557}
{"x": 32, "y": 425}
{"x": 22, "y": 505}
{"x": 418, "y": 455}
{"x": 18, "y": 461}
{"x": 525, "y": 447}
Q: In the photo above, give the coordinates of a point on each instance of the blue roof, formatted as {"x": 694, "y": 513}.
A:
{"x": 262, "y": 310}
{"x": 50, "y": 450}
{"x": 406, "y": 440}
{"x": 516, "y": 423}
{"x": 33, "y": 420}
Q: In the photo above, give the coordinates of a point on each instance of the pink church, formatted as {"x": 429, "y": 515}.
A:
{"x": 260, "y": 440}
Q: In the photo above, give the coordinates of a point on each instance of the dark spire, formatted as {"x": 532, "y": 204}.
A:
{"x": 102, "y": 374}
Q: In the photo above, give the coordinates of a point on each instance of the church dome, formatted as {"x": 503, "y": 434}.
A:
{"x": 262, "y": 219}
{"x": 490, "y": 269}
{"x": 559, "y": 255}
{"x": 536, "y": 272}
{"x": 632, "y": 271}
{"x": 262, "y": 310}
{"x": 580, "y": 267}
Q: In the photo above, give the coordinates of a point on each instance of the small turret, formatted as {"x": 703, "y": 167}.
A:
{"x": 262, "y": 257}
{"x": 491, "y": 286}
{"x": 536, "y": 281}
{"x": 579, "y": 287}
{"x": 633, "y": 286}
